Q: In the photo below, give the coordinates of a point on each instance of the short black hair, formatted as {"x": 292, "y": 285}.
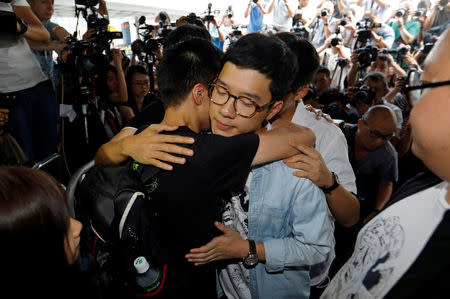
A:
{"x": 183, "y": 66}
{"x": 331, "y": 95}
{"x": 267, "y": 55}
{"x": 376, "y": 77}
{"x": 307, "y": 58}
{"x": 185, "y": 32}
{"x": 133, "y": 69}
{"x": 324, "y": 70}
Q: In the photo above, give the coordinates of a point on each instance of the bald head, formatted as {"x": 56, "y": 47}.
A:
{"x": 380, "y": 113}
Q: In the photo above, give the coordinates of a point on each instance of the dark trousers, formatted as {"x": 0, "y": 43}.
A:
{"x": 33, "y": 121}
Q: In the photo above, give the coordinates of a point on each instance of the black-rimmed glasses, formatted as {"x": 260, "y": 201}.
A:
{"x": 376, "y": 134}
{"x": 414, "y": 87}
{"x": 243, "y": 106}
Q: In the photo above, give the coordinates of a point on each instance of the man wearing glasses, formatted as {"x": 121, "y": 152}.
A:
{"x": 373, "y": 158}
{"x": 279, "y": 225}
{"x": 405, "y": 247}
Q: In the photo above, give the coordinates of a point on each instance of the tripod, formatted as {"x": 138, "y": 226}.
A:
{"x": 341, "y": 69}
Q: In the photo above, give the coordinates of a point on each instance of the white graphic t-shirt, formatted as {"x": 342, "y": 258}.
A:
{"x": 389, "y": 244}
{"x": 234, "y": 278}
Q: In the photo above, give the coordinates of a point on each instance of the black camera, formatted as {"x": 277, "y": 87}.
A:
{"x": 209, "y": 17}
{"x": 89, "y": 3}
{"x": 364, "y": 95}
{"x": 366, "y": 55}
{"x": 342, "y": 62}
{"x": 255, "y": 1}
{"x": 335, "y": 41}
{"x": 298, "y": 28}
{"x": 235, "y": 34}
{"x": 344, "y": 21}
{"x": 324, "y": 12}
{"x": 230, "y": 11}
{"x": 401, "y": 12}
{"x": 364, "y": 32}
{"x": 420, "y": 12}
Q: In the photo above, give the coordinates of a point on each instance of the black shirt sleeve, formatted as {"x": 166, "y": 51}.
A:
{"x": 225, "y": 161}
{"x": 151, "y": 114}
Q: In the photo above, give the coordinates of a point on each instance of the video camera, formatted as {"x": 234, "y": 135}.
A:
{"x": 298, "y": 28}
{"x": 149, "y": 42}
{"x": 209, "y": 17}
{"x": 235, "y": 34}
{"x": 366, "y": 55}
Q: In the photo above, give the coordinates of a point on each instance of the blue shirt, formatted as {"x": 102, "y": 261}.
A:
{"x": 290, "y": 215}
{"x": 45, "y": 58}
{"x": 256, "y": 19}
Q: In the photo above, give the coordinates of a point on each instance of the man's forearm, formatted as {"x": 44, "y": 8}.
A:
{"x": 382, "y": 4}
{"x": 344, "y": 206}
{"x": 406, "y": 36}
{"x": 383, "y": 195}
{"x": 114, "y": 152}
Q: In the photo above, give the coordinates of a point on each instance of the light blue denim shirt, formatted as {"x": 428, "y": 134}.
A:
{"x": 290, "y": 215}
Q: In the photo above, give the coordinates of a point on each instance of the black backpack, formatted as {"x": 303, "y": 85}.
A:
{"x": 114, "y": 204}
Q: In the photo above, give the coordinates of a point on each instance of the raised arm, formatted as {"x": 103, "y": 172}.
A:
{"x": 36, "y": 31}
{"x": 274, "y": 144}
{"x": 147, "y": 147}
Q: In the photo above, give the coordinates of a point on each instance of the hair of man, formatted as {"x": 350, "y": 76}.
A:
{"x": 256, "y": 51}
{"x": 184, "y": 65}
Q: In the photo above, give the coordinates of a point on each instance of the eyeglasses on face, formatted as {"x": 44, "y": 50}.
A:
{"x": 376, "y": 134}
{"x": 415, "y": 87}
{"x": 244, "y": 106}
{"x": 141, "y": 83}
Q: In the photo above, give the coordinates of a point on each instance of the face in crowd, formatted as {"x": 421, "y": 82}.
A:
{"x": 376, "y": 128}
{"x": 140, "y": 85}
{"x": 43, "y": 9}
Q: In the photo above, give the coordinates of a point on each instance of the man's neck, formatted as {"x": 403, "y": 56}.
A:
{"x": 177, "y": 116}
{"x": 360, "y": 150}
{"x": 288, "y": 113}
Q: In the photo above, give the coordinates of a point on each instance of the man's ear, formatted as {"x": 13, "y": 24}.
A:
{"x": 199, "y": 93}
{"x": 301, "y": 93}
{"x": 274, "y": 110}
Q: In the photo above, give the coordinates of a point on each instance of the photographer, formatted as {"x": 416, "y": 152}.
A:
{"x": 380, "y": 8}
{"x": 381, "y": 34}
{"x": 346, "y": 26}
{"x": 406, "y": 29}
{"x": 335, "y": 57}
{"x": 282, "y": 14}
{"x": 319, "y": 26}
{"x": 439, "y": 18}
{"x": 24, "y": 89}
{"x": 256, "y": 10}
{"x": 339, "y": 7}
{"x": 43, "y": 9}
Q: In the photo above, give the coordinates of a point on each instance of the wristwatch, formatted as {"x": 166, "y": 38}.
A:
{"x": 23, "y": 26}
{"x": 328, "y": 190}
{"x": 252, "y": 258}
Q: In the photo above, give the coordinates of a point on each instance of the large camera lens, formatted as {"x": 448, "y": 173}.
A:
{"x": 324, "y": 12}
{"x": 335, "y": 41}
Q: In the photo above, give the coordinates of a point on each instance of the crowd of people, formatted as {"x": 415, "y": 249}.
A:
{"x": 301, "y": 159}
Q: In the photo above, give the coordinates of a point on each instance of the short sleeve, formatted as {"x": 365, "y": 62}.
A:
{"x": 226, "y": 159}
{"x": 19, "y": 3}
{"x": 389, "y": 171}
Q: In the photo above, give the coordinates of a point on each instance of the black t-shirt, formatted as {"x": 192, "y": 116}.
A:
{"x": 191, "y": 197}
{"x": 153, "y": 113}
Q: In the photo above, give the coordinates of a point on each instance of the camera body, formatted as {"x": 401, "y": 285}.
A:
{"x": 364, "y": 95}
{"x": 420, "y": 12}
{"x": 335, "y": 41}
{"x": 230, "y": 11}
{"x": 324, "y": 12}
{"x": 255, "y": 1}
{"x": 366, "y": 55}
{"x": 344, "y": 21}
{"x": 342, "y": 62}
{"x": 401, "y": 12}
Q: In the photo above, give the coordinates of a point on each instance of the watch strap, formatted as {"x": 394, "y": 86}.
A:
{"x": 252, "y": 247}
{"x": 23, "y": 26}
{"x": 328, "y": 190}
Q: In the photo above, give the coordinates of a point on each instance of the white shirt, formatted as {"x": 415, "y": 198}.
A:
{"x": 330, "y": 143}
{"x": 281, "y": 19}
{"x": 389, "y": 244}
{"x": 19, "y": 68}
{"x": 331, "y": 61}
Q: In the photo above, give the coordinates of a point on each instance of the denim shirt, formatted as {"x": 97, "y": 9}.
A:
{"x": 290, "y": 215}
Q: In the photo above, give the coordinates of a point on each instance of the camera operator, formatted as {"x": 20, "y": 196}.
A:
{"x": 380, "y": 8}
{"x": 43, "y": 9}
{"x": 24, "y": 89}
{"x": 339, "y": 7}
{"x": 319, "y": 26}
{"x": 439, "y": 18}
{"x": 336, "y": 57}
{"x": 256, "y": 10}
{"x": 406, "y": 29}
{"x": 381, "y": 34}
{"x": 162, "y": 18}
{"x": 345, "y": 25}
{"x": 283, "y": 13}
